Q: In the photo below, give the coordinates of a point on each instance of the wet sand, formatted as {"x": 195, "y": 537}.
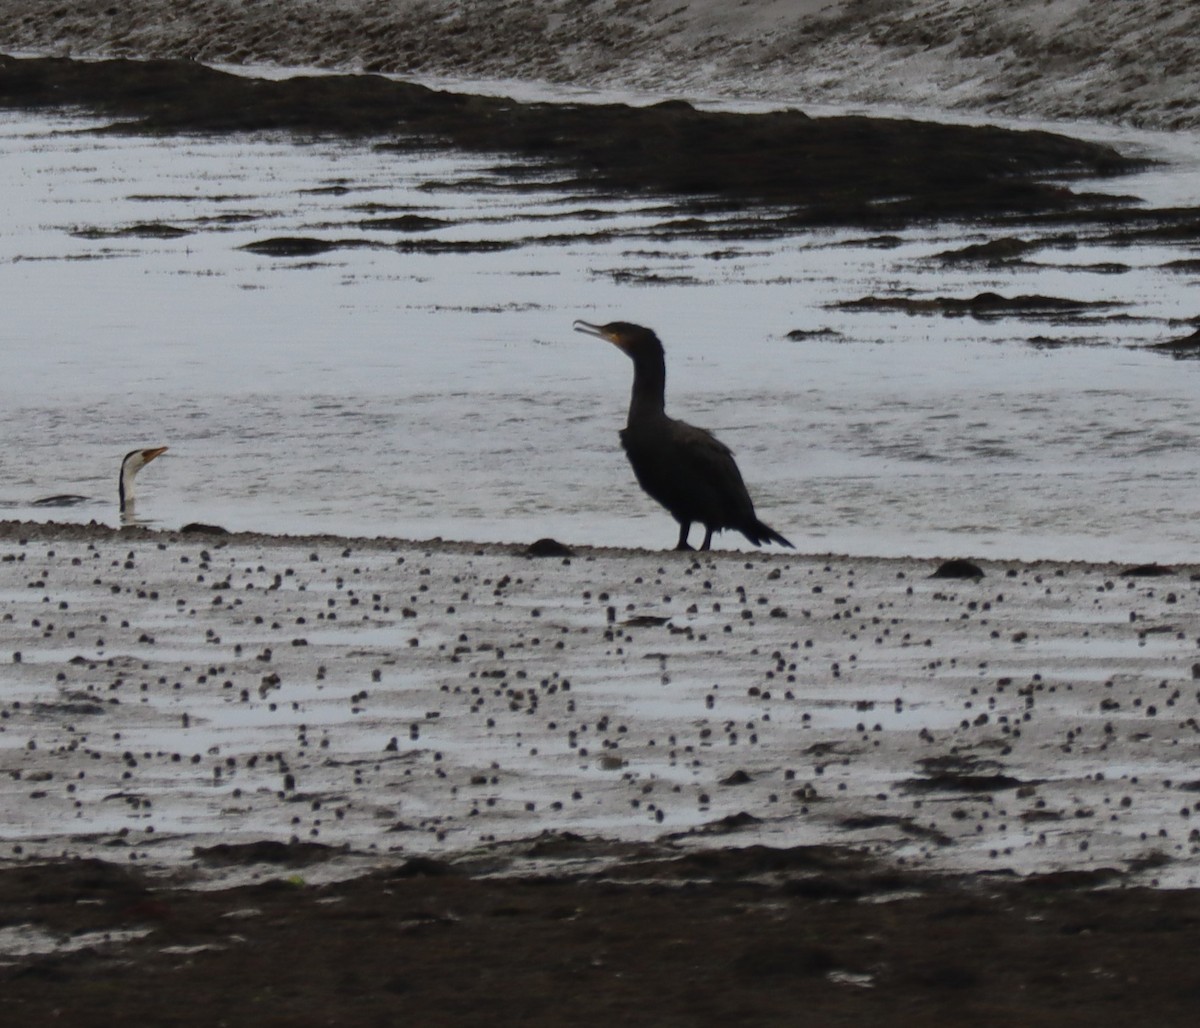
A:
{"x": 741, "y": 738}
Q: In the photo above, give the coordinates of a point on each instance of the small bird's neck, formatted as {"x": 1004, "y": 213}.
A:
{"x": 648, "y": 400}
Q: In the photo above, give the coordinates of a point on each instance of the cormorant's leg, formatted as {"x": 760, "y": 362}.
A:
{"x": 707, "y": 544}
{"x": 684, "y": 528}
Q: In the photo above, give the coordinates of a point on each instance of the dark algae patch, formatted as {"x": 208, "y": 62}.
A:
{"x": 139, "y": 231}
{"x": 1187, "y": 348}
{"x": 839, "y": 170}
{"x": 982, "y": 305}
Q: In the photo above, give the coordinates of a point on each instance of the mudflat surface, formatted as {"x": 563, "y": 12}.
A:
{"x": 382, "y": 781}
{"x": 164, "y": 691}
{"x": 843, "y": 170}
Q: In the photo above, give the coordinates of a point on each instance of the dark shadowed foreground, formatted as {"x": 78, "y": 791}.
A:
{"x": 756, "y": 936}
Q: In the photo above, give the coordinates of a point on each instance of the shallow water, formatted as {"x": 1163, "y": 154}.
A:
{"x": 382, "y": 390}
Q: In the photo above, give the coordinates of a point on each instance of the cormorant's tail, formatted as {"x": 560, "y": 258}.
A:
{"x": 766, "y": 534}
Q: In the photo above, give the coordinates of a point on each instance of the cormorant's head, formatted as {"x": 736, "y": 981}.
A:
{"x": 134, "y": 461}
{"x": 633, "y": 339}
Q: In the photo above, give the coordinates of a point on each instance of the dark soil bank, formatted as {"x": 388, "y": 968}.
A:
{"x": 792, "y": 937}
{"x": 840, "y": 170}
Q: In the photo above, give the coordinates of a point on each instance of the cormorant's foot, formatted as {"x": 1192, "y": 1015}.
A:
{"x": 683, "y": 546}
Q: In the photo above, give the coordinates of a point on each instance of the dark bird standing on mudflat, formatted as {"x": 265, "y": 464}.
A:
{"x": 686, "y": 469}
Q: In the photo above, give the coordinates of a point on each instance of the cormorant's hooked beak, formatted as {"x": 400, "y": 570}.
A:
{"x": 587, "y": 328}
{"x": 149, "y": 455}
{"x": 609, "y": 333}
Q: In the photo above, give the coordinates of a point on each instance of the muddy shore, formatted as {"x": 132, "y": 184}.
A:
{"x": 820, "y": 171}
{"x": 791, "y": 778}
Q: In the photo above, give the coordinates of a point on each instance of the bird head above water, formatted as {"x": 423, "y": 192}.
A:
{"x": 134, "y": 461}
{"x": 634, "y": 340}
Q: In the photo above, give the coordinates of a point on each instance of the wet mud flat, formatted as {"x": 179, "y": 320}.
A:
{"x": 166, "y": 693}
{"x": 717, "y": 178}
{"x": 849, "y": 170}
{"x": 331, "y": 777}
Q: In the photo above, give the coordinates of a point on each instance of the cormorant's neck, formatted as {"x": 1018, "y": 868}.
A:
{"x": 125, "y": 487}
{"x": 649, "y": 385}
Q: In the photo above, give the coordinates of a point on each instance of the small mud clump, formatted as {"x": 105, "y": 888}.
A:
{"x": 548, "y": 548}
{"x": 958, "y": 568}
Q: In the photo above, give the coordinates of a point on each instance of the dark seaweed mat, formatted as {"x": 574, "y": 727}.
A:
{"x": 842, "y": 170}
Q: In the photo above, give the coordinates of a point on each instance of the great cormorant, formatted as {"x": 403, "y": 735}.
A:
{"x": 131, "y": 464}
{"x": 686, "y": 469}
{"x": 134, "y": 461}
